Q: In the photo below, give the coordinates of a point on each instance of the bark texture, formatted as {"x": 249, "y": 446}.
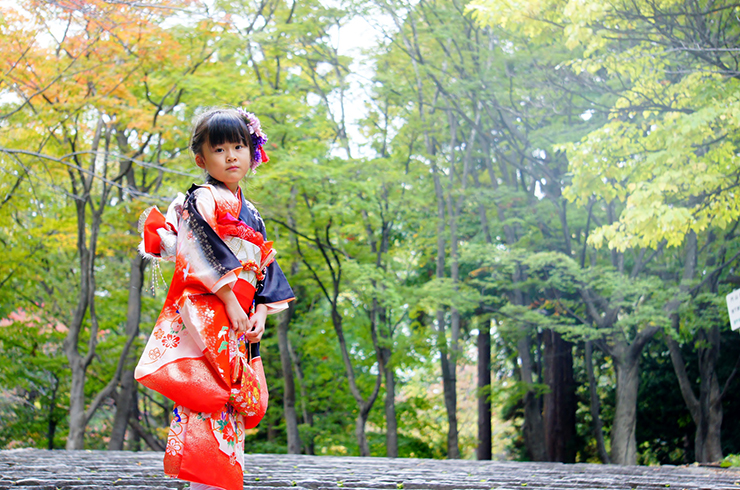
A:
{"x": 484, "y": 449}
{"x": 125, "y": 398}
{"x": 594, "y": 405}
{"x": 534, "y": 423}
{"x": 706, "y": 409}
{"x": 306, "y": 414}
{"x": 560, "y": 401}
{"x": 624, "y": 444}
{"x": 291, "y": 418}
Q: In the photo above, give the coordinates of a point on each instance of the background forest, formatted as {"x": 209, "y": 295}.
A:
{"x": 510, "y": 226}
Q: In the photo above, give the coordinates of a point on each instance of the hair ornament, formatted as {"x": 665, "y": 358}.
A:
{"x": 259, "y": 138}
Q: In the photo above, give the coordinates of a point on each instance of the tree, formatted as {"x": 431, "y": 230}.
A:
{"x": 659, "y": 123}
{"x": 87, "y": 132}
{"x": 488, "y": 145}
{"x": 672, "y": 167}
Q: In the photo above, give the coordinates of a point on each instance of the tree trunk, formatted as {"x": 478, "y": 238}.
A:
{"x": 76, "y": 435}
{"x": 85, "y": 309}
{"x": 305, "y": 412}
{"x": 77, "y": 364}
{"x": 381, "y": 330}
{"x": 360, "y": 434}
{"x": 534, "y": 426}
{"x": 391, "y": 433}
{"x": 363, "y": 405}
{"x": 483, "y": 451}
{"x": 288, "y": 359}
{"x": 125, "y": 398}
{"x": 707, "y": 445}
{"x": 626, "y": 359}
{"x": 291, "y": 419}
{"x": 560, "y": 402}
{"x": 453, "y": 211}
{"x": 534, "y": 423}
{"x": 706, "y": 411}
{"x": 124, "y": 410}
{"x": 134, "y": 439}
{"x": 708, "y": 441}
{"x": 449, "y": 389}
{"x": 624, "y": 444}
{"x": 447, "y": 364}
{"x": 52, "y": 424}
{"x": 594, "y": 406}
{"x": 151, "y": 441}
{"x": 710, "y": 394}
{"x": 707, "y": 416}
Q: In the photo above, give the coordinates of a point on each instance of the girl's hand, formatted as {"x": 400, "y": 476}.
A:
{"x": 237, "y": 317}
{"x": 257, "y": 324}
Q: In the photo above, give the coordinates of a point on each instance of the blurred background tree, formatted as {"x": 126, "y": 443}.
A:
{"x": 510, "y": 227}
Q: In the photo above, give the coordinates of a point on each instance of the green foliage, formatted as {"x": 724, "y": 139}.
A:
{"x": 604, "y": 374}
{"x": 32, "y": 363}
{"x": 663, "y": 443}
{"x": 730, "y": 461}
{"x": 544, "y": 129}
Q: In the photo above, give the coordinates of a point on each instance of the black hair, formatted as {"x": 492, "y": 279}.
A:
{"x": 218, "y": 126}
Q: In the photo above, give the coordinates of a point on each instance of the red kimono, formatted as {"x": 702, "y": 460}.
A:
{"x": 193, "y": 357}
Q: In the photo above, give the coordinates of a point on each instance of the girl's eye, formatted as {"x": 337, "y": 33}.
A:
{"x": 239, "y": 147}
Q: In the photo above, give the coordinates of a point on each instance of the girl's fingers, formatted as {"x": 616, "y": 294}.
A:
{"x": 254, "y": 334}
{"x": 241, "y": 326}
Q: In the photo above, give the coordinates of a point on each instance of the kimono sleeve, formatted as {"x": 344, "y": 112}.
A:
{"x": 159, "y": 232}
{"x": 203, "y": 257}
{"x": 274, "y": 292}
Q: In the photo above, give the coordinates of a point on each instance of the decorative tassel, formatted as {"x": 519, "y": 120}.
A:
{"x": 156, "y": 279}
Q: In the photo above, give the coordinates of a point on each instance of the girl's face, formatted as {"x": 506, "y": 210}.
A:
{"x": 227, "y": 162}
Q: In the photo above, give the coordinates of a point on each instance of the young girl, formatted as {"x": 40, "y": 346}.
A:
{"x": 225, "y": 284}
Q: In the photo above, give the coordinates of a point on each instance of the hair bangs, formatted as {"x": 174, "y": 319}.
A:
{"x": 225, "y": 127}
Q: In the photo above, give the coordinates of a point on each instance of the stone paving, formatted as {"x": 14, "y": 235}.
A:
{"x": 121, "y": 470}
